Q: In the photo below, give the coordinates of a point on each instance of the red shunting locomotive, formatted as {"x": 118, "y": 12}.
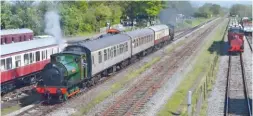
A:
{"x": 235, "y": 39}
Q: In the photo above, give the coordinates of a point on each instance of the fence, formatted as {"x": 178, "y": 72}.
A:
{"x": 201, "y": 92}
{"x": 204, "y": 86}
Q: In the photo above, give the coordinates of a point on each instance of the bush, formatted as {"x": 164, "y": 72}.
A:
{"x": 188, "y": 21}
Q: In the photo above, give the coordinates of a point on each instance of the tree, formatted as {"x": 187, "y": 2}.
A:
{"x": 215, "y": 9}
{"x": 241, "y": 10}
{"x": 152, "y": 9}
{"x": 182, "y": 7}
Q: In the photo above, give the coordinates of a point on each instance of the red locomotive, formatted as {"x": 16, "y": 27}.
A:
{"x": 23, "y": 56}
{"x": 235, "y": 39}
{"x": 114, "y": 31}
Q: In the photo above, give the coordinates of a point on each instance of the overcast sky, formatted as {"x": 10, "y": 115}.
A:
{"x": 224, "y": 3}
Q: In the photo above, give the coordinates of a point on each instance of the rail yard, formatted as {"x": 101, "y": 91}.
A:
{"x": 160, "y": 69}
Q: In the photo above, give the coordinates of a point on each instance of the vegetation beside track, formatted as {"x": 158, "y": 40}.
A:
{"x": 191, "y": 23}
{"x": 10, "y": 109}
{"x": 115, "y": 87}
{"x": 204, "y": 59}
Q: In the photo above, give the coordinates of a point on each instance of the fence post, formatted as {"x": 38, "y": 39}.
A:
{"x": 204, "y": 90}
{"x": 189, "y": 103}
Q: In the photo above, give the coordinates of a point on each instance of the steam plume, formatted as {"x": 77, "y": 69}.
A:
{"x": 52, "y": 21}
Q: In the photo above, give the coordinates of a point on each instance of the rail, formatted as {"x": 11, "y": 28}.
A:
{"x": 231, "y": 105}
{"x": 249, "y": 41}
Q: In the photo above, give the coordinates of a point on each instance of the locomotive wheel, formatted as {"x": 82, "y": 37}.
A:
{"x": 60, "y": 98}
{"x": 83, "y": 84}
{"x": 33, "y": 80}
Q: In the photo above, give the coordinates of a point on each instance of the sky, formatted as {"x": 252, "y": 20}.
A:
{"x": 223, "y": 3}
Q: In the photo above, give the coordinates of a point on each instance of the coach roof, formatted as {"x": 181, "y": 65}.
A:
{"x": 15, "y": 31}
{"x": 158, "y": 27}
{"x": 27, "y": 45}
{"x": 140, "y": 33}
{"x": 104, "y": 42}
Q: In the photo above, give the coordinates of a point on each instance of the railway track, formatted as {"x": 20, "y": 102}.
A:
{"x": 41, "y": 109}
{"x": 131, "y": 103}
{"x": 237, "y": 101}
{"x": 249, "y": 41}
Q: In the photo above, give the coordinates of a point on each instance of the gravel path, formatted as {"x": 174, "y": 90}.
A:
{"x": 247, "y": 58}
{"x": 217, "y": 96}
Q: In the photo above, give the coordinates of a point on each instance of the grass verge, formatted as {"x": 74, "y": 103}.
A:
{"x": 10, "y": 109}
{"x": 191, "y": 23}
{"x": 115, "y": 87}
{"x": 203, "y": 63}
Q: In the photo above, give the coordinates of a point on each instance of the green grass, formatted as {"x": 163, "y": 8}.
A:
{"x": 203, "y": 64}
{"x": 191, "y": 23}
{"x": 197, "y": 21}
{"x": 8, "y": 110}
{"x": 87, "y": 34}
{"x": 115, "y": 87}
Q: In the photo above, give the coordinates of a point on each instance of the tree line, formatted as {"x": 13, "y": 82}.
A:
{"x": 241, "y": 10}
{"x": 76, "y": 16}
{"x": 209, "y": 10}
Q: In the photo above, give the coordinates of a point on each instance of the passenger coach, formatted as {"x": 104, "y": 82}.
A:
{"x": 21, "y": 61}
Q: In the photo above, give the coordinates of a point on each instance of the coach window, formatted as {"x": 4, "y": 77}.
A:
{"x": 5, "y": 40}
{"x": 111, "y": 52}
{"x": 117, "y": 49}
{"x": 13, "y": 39}
{"x": 121, "y": 48}
{"x": 17, "y": 61}
{"x": 126, "y": 46}
{"x": 43, "y": 55}
{"x": 46, "y": 54}
{"x": 136, "y": 42}
{"x": 99, "y": 57}
{"x": 26, "y": 59}
{"x": 2, "y": 40}
{"x": 31, "y": 57}
{"x": 2, "y": 64}
{"x": 133, "y": 43}
{"x": 37, "y": 56}
{"x": 105, "y": 55}
{"x": 9, "y": 63}
{"x": 114, "y": 49}
{"x": 108, "y": 53}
